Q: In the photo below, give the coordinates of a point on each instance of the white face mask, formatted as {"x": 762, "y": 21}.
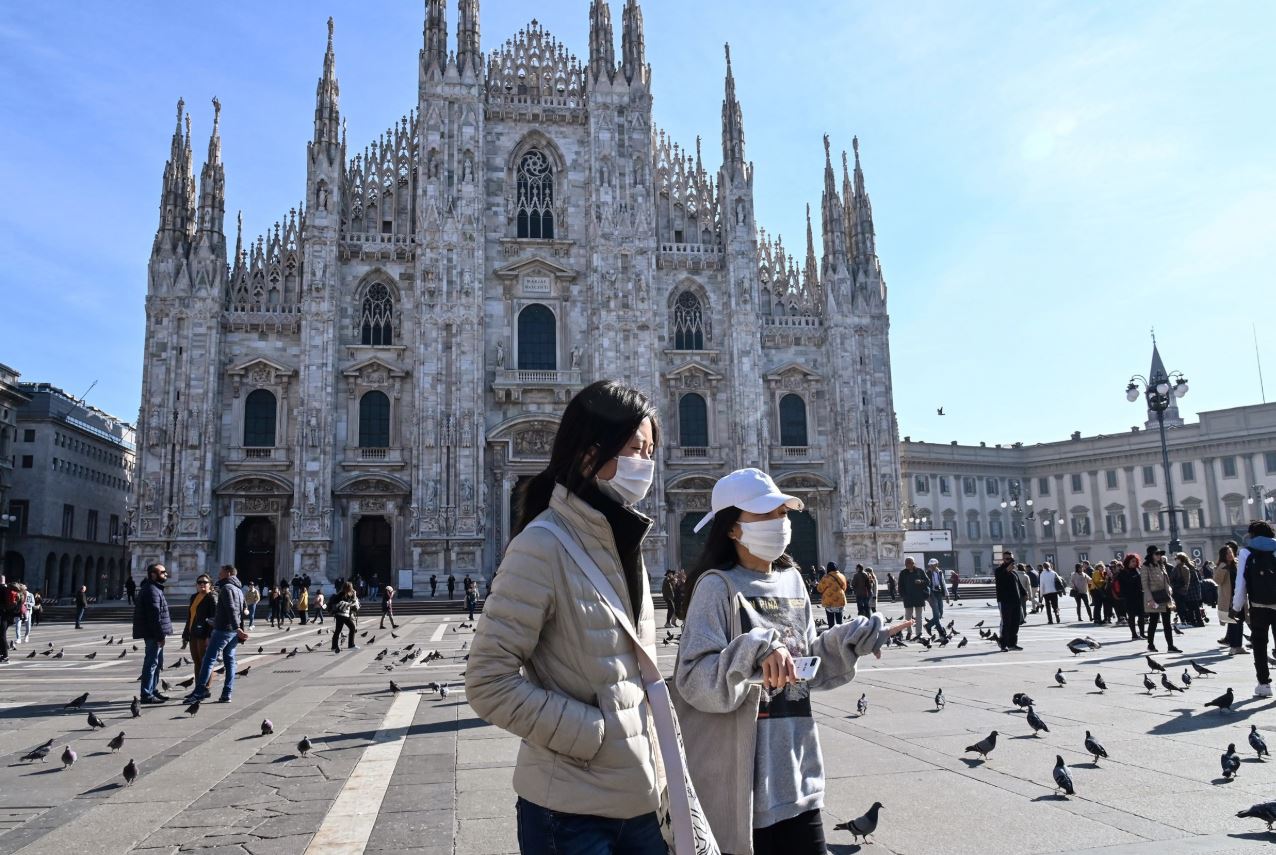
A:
{"x": 632, "y": 480}
{"x": 766, "y": 539}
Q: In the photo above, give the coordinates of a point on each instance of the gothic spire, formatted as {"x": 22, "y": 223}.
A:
{"x": 834, "y": 220}
{"x": 863, "y": 240}
{"x": 467, "y": 36}
{"x": 732, "y": 121}
{"x": 602, "y": 51}
{"x": 633, "y": 44}
{"x": 212, "y": 185}
{"x": 435, "y": 53}
{"x": 327, "y": 99}
{"x": 170, "y": 197}
{"x": 810, "y": 272}
{"x": 190, "y": 216}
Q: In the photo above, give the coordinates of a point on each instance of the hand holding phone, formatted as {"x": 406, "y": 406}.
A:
{"x": 804, "y": 667}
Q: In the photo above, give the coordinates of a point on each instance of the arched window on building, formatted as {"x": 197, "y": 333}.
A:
{"x": 688, "y": 322}
{"x": 537, "y": 339}
{"x": 535, "y": 185}
{"x": 693, "y": 421}
{"x": 793, "y": 420}
{"x": 376, "y": 323}
{"x": 374, "y": 420}
{"x": 259, "y": 419}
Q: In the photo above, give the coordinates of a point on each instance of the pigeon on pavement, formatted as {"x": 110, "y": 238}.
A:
{"x": 96, "y": 722}
{"x": 1257, "y": 742}
{"x": 116, "y": 743}
{"x": 981, "y": 623}
{"x": 130, "y": 773}
{"x": 1231, "y": 762}
{"x": 1021, "y": 700}
{"x": 394, "y": 687}
{"x": 1265, "y": 811}
{"x": 443, "y": 690}
{"x": 1098, "y": 682}
{"x": 1168, "y": 685}
{"x": 68, "y": 758}
{"x": 1063, "y": 777}
{"x": 1154, "y": 665}
{"x": 304, "y": 746}
{"x": 1035, "y": 722}
{"x": 92, "y": 655}
{"x": 1059, "y": 678}
{"x": 38, "y": 753}
{"x": 862, "y": 706}
{"x": 76, "y": 703}
{"x": 1200, "y": 669}
{"x": 267, "y": 727}
{"x": 940, "y": 702}
{"x": 1187, "y": 678}
{"x": 1223, "y": 701}
{"x": 861, "y": 826}
{"x": 984, "y": 746}
{"x": 964, "y": 641}
{"x": 1148, "y": 684}
{"x": 1095, "y": 747}
{"x": 193, "y": 708}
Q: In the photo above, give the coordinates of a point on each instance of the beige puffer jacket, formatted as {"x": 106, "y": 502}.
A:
{"x": 549, "y": 663}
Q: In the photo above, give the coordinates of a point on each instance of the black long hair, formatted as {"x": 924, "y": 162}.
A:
{"x": 601, "y": 418}
{"x": 719, "y": 553}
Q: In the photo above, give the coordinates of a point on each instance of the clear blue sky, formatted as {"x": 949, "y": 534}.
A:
{"x": 1050, "y": 179}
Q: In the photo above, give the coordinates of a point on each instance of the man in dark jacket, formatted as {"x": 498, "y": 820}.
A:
{"x": 914, "y": 589}
{"x": 130, "y": 587}
{"x": 1009, "y": 594}
{"x": 152, "y": 624}
{"x": 81, "y": 605}
{"x": 225, "y": 638}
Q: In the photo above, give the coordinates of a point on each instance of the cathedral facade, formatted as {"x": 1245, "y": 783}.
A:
{"x": 360, "y": 390}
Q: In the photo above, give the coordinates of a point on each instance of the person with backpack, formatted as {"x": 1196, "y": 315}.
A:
{"x": 553, "y": 661}
{"x": 344, "y": 608}
{"x": 1256, "y": 591}
{"x": 832, "y": 588}
{"x": 744, "y": 703}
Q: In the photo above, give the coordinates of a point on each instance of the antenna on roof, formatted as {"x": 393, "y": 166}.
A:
{"x": 87, "y": 391}
{"x": 1259, "y": 359}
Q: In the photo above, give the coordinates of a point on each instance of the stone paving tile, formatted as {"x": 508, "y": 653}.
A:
{"x": 411, "y": 828}
{"x": 415, "y": 797}
{"x": 487, "y": 836}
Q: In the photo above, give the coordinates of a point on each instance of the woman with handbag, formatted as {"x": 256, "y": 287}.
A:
{"x": 553, "y": 661}
{"x": 1155, "y": 583}
{"x": 199, "y": 620}
{"x": 344, "y": 608}
{"x": 753, "y": 750}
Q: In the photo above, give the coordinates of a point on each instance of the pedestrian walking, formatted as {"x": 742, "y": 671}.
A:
{"x": 552, "y": 661}
{"x": 434, "y": 585}
{"x": 864, "y": 586}
{"x": 1131, "y": 587}
{"x": 1009, "y": 601}
{"x": 81, "y": 605}
{"x": 1025, "y": 592}
{"x": 387, "y": 606}
{"x": 1256, "y": 591}
{"x": 890, "y": 586}
{"x": 27, "y": 616}
{"x": 762, "y": 738}
{"x": 914, "y": 590}
{"x": 451, "y": 587}
{"x": 152, "y": 624}
{"x": 201, "y": 614}
{"x": 679, "y": 592}
{"x": 276, "y": 607}
{"x": 1225, "y": 572}
{"x": 935, "y": 580}
{"x": 1080, "y": 589}
{"x": 1051, "y": 587}
{"x": 832, "y": 588}
{"x": 1157, "y": 597}
{"x": 954, "y": 580}
{"x": 344, "y": 609}
{"x": 471, "y": 597}
{"x": 226, "y": 636}
{"x": 130, "y": 588}
{"x": 666, "y": 591}
{"x": 303, "y": 606}
{"x": 319, "y": 605}
{"x": 1034, "y": 580}
{"x": 252, "y": 598}
{"x": 1099, "y": 593}
{"x": 10, "y": 606}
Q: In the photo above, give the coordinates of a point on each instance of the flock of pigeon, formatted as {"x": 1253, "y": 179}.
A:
{"x": 408, "y": 655}
{"x": 1062, "y": 776}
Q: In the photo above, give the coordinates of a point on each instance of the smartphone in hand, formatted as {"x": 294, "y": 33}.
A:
{"x": 806, "y": 666}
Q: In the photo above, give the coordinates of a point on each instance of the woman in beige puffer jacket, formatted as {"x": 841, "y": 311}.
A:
{"x": 550, "y": 662}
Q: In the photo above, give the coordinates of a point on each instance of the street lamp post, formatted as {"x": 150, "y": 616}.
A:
{"x": 914, "y": 517}
{"x": 1053, "y": 519}
{"x": 1161, "y": 390}
{"x": 1266, "y": 503}
{"x": 1022, "y": 510}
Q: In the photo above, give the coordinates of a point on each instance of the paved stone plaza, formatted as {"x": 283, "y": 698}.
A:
{"x": 417, "y": 773}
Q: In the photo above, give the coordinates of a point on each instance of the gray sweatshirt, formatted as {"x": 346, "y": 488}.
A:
{"x": 714, "y": 672}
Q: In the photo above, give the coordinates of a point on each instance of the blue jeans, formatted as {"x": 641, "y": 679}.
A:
{"x": 549, "y": 832}
{"x": 252, "y": 613}
{"x": 221, "y": 643}
{"x": 152, "y": 664}
{"x": 936, "y": 613}
{"x": 79, "y": 616}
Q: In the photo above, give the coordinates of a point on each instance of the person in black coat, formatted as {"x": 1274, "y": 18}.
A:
{"x": 1009, "y": 594}
{"x": 1132, "y": 595}
{"x": 152, "y": 623}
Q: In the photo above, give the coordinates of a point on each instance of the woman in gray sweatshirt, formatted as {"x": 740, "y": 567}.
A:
{"x": 745, "y": 716}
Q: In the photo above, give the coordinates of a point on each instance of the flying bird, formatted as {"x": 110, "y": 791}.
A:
{"x": 304, "y": 746}
{"x": 940, "y": 701}
{"x": 116, "y": 743}
{"x": 267, "y": 727}
{"x": 984, "y": 746}
{"x": 862, "y": 706}
{"x": 68, "y": 758}
{"x": 1265, "y": 811}
{"x": 1223, "y": 701}
{"x": 1095, "y": 747}
{"x": 1154, "y": 665}
{"x": 1098, "y": 682}
{"x": 1201, "y": 670}
{"x": 861, "y": 826}
{"x": 1063, "y": 777}
{"x": 1231, "y": 762}
{"x": 1169, "y": 686}
{"x": 130, "y": 773}
{"x": 96, "y": 722}
{"x": 1035, "y": 722}
{"x": 940, "y": 411}
{"x": 76, "y": 703}
{"x": 1257, "y": 742}
{"x": 1059, "y": 678}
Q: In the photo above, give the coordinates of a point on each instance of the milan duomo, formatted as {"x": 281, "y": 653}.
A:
{"x": 360, "y": 390}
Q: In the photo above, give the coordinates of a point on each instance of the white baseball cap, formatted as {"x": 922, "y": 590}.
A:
{"x": 749, "y": 490}
{"x": 934, "y": 562}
